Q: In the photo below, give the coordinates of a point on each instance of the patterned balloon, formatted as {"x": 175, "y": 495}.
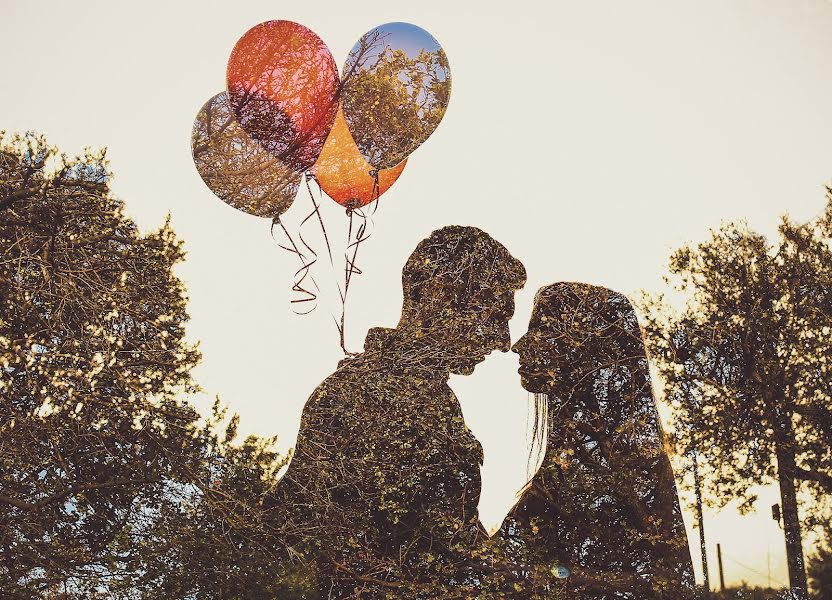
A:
{"x": 240, "y": 171}
{"x": 283, "y": 86}
{"x": 395, "y": 90}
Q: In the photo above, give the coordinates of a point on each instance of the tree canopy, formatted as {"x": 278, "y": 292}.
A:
{"x": 820, "y": 567}
{"x": 746, "y": 364}
{"x": 110, "y": 484}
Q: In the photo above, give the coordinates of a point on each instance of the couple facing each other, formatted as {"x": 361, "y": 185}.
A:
{"x": 380, "y": 498}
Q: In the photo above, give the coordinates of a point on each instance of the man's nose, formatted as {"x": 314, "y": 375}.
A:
{"x": 504, "y": 339}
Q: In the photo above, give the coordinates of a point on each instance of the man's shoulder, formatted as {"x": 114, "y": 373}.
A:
{"x": 369, "y": 376}
{"x": 363, "y": 395}
{"x": 350, "y": 389}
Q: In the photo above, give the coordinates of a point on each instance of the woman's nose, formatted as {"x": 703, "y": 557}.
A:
{"x": 518, "y": 345}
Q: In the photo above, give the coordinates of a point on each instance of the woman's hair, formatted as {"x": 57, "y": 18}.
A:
{"x": 538, "y": 442}
{"x": 584, "y": 316}
{"x": 588, "y": 333}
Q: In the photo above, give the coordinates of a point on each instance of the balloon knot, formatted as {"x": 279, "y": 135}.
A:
{"x": 352, "y": 204}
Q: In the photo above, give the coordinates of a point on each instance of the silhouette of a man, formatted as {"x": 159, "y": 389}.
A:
{"x": 383, "y": 488}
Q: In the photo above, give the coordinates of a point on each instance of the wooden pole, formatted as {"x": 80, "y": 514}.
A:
{"x": 721, "y": 573}
{"x": 702, "y": 546}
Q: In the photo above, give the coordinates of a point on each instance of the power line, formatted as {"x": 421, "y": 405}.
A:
{"x": 746, "y": 567}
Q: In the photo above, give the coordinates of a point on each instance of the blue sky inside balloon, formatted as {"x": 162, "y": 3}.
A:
{"x": 399, "y": 36}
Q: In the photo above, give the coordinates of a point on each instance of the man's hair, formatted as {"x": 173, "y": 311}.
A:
{"x": 453, "y": 264}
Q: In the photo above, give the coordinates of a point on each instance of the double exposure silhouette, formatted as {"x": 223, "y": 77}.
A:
{"x": 381, "y": 494}
{"x": 600, "y": 520}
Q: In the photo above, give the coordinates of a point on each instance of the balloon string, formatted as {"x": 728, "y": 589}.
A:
{"x": 316, "y": 210}
{"x": 350, "y": 267}
{"x": 302, "y": 273}
{"x": 303, "y": 241}
{"x": 375, "y": 194}
{"x": 342, "y": 325}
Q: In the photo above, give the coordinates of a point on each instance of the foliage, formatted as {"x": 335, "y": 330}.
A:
{"x": 208, "y": 536}
{"x": 110, "y": 485}
{"x": 93, "y": 354}
{"x": 744, "y": 592}
{"x": 238, "y": 169}
{"x": 820, "y": 568}
{"x": 747, "y": 364}
{"x": 392, "y": 101}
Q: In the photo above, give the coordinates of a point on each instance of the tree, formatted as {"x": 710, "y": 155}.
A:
{"x": 93, "y": 355}
{"x": 208, "y": 536}
{"x": 820, "y": 568}
{"x": 744, "y": 592}
{"x": 110, "y": 484}
{"x": 747, "y": 363}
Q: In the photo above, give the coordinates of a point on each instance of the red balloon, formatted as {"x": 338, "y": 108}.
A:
{"x": 283, "y": 87}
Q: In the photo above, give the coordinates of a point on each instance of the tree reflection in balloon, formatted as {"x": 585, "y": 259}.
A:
{"x": 239, "y": 170}
{"x": 283, "y": 86}
{"x": 396, "y": 88}
{"x": 243, "y": 174}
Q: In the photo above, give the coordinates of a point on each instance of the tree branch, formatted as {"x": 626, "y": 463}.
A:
{"x": 30, "y": 191}
{"x": 74, "y": 489}
{"x": 809, "y": 475}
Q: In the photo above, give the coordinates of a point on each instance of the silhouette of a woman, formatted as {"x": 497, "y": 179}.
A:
{"x": 600, "y": 520}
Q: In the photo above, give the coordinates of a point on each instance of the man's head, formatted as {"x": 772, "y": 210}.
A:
{"x": 459, "y": 288}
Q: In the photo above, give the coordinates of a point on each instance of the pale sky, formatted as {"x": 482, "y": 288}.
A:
{"x": 591, "y": 138}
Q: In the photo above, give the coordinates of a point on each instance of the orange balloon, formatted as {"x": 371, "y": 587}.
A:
{"x": 344, "y": 174}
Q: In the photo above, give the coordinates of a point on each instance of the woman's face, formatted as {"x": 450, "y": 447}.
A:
{"x": 575, "y": 330}
{"x": 538, "y": 352}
